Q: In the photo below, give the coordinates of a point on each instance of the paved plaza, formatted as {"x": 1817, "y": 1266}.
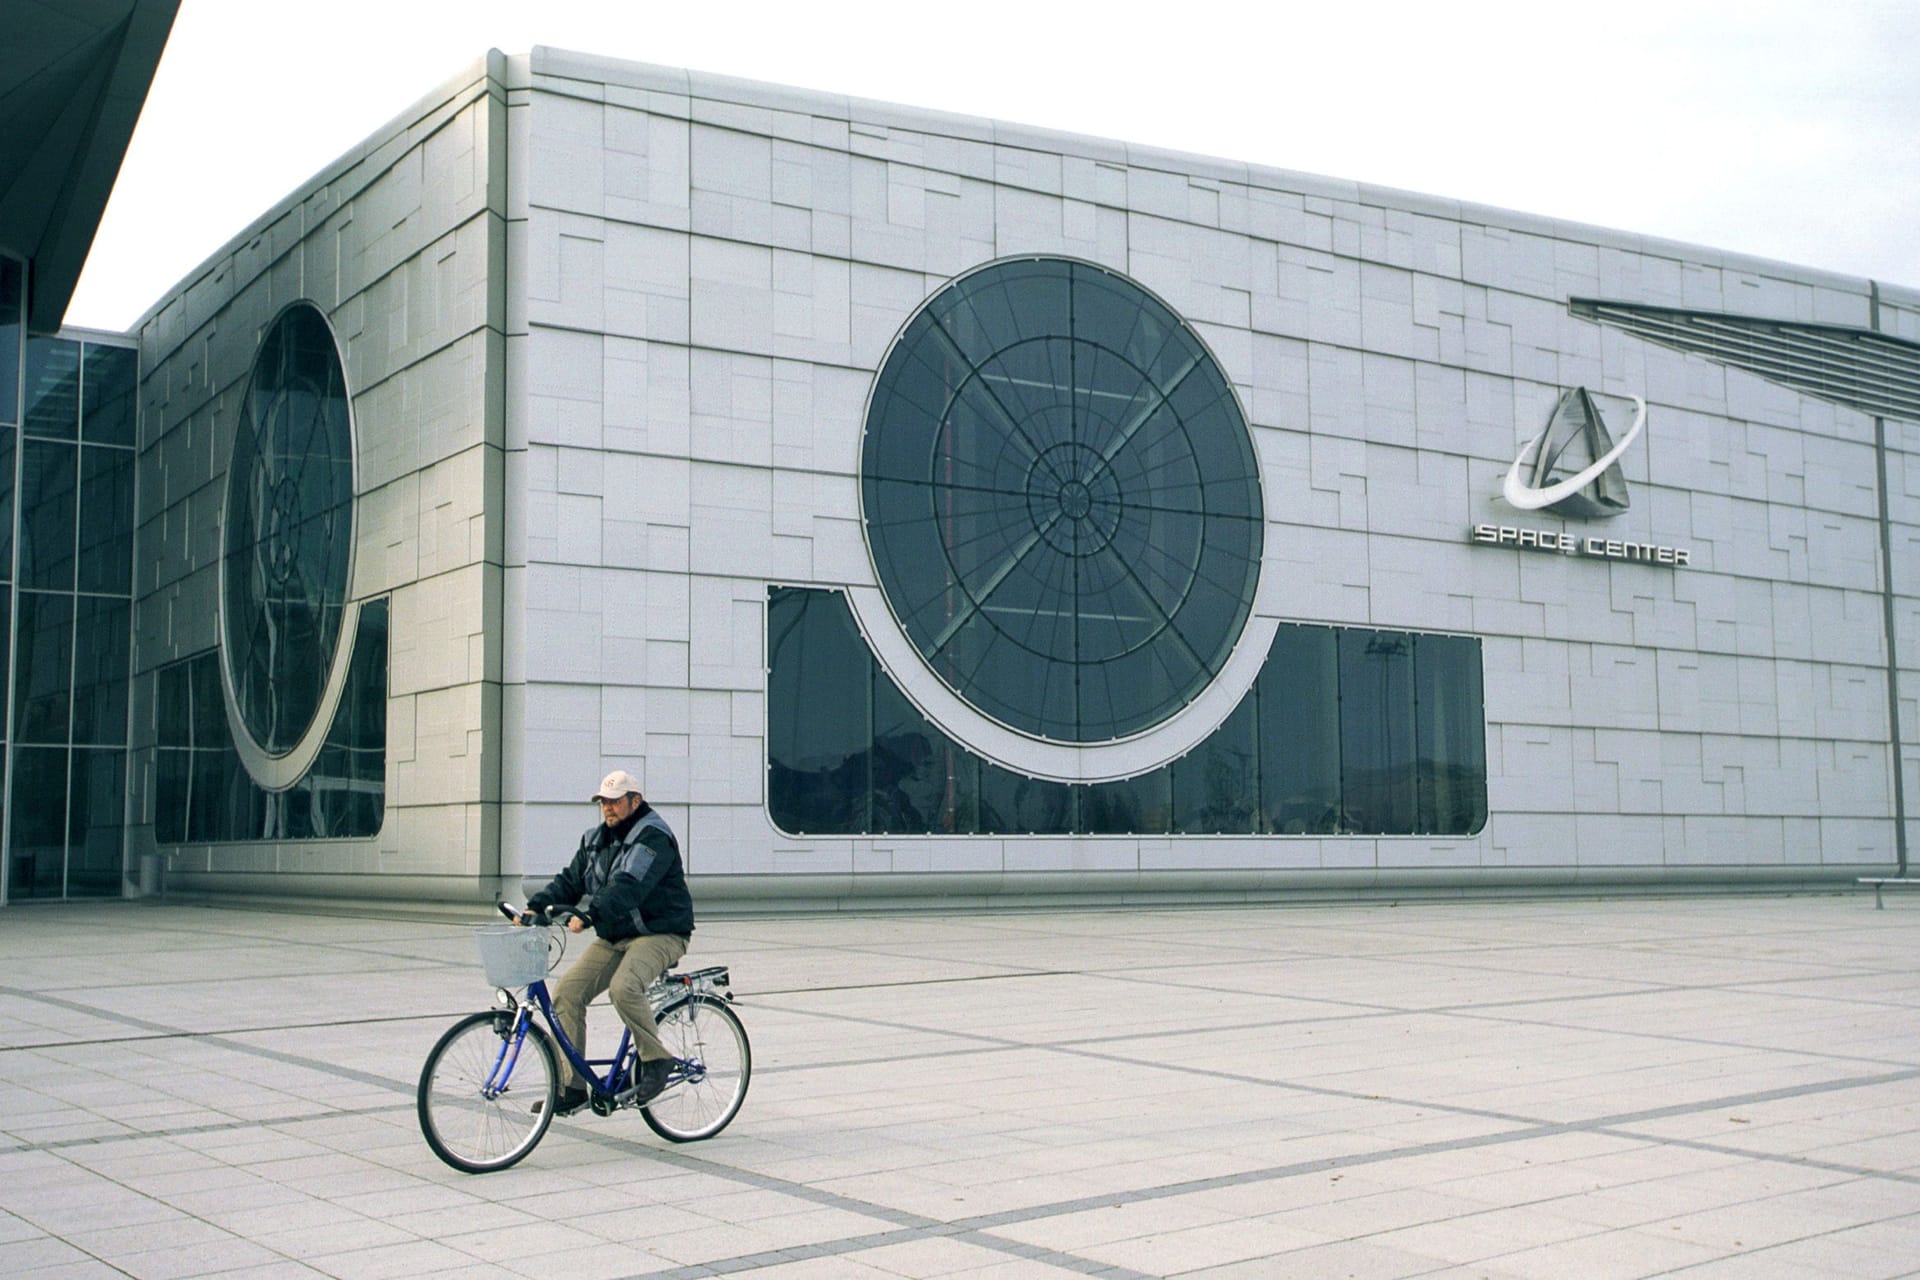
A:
{"x": 1709, "y": 1086}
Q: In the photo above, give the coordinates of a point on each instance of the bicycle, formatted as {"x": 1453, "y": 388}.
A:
{"x": 485, "y": 1101}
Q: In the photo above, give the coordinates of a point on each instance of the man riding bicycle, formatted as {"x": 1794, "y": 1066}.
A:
{"x": 627, "y": 881}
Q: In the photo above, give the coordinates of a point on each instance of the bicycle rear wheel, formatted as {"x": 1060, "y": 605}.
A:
{"x": 465, "y": 1127}
{"x": 710, "y": 1081}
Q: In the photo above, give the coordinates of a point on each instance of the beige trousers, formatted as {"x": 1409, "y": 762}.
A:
{"x": 624, "y": 970}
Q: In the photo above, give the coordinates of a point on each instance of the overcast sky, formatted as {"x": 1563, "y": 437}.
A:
{"x": 1786, "y": 130}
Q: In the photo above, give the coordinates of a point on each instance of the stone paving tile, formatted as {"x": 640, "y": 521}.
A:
{"x": 1500, "y": 1089}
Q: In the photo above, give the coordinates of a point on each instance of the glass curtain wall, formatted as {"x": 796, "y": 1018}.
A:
{"x": 66, "y": 462}
{"x": 1347, "y": 731}
{"x": 203, "y": 793}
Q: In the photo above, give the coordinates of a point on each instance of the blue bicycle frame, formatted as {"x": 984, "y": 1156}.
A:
{"x": 496, "y": 1082}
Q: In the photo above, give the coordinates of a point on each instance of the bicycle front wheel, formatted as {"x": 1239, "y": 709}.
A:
{"x": 710, "y": 1080}
{"x": 482, "y": 1106}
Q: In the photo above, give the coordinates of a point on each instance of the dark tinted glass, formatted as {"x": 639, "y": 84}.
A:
{"x": 1216, "y": 786}
{"x": 1376, "y": 731}
{"x": 9, "y": 441}
{"x": 11, "y": 303}
{"x": 37, "y": 823}
{"x": 96, "y": 824}
{"x": 53, "y": 388}
{"x": 920, "y": 782}
{"x": 289, "y": 529}
{"x": 1299, "y": 693}
{"x": 43, "y": 669}
{"x": 172, "y": 777}
{"x": 106, "y": 520}
{"x": 102, "y": 645}
{"x": 106, "y": 412}
{"x": 1013, "y": 804}
{"x": 345, "y": 792}
{"x": 1346, "y": 732}
{"x": 202, "y": 791}
{"x": 1142, "y": 804}
{"x": 48, "y": 476}
{"x": 819, "y": 731}
{"x": 6, "y": 647}
{"x": 1451, "y": 734}
{"x": 1062, "y": 500}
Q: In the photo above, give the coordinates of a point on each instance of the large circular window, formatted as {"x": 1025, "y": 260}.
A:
{"x": 288, "y": 534}
{"x": 1061, "y": 500}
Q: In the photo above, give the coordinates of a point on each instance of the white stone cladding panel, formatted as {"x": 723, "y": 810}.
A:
{"x": 1402, "y": 356}
{"x": 401, "y": 244}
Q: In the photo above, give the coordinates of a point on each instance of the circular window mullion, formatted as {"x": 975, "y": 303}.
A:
{"x": 1071, "y": 493}
{"x": 287, "y": 550}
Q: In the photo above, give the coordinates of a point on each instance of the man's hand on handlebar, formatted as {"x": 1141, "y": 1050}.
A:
{"x": 574, "y": 920}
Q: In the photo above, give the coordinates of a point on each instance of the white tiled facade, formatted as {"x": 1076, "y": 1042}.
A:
{"x": 610, "y": 331}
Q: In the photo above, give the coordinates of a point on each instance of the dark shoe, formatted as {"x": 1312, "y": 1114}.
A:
{"x": 652, "y": 1079}
{"x": 569, "y": 1101}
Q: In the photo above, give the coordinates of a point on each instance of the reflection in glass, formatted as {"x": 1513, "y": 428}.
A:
{"x": 1299, "y": 696}
{"x": 37, "y": 830}
{"x": 1216, "y": 786}
{"x": 202, "y": 791}
{"x": 1014, "y": 804}
{"x": 106, "y": 520}
{"x": 9, "y": 441}
{"x": 1347, "y": 731}
{"x": 1452, "y": 740}
{"x": 817, "y": 779}
{"x": 289, "y": 530}
{"x": 48, "y": 474}
{"x": 12, "y": 286}
{"x": 53, "y": 388}
{"x": 922, "y": 782}
{"x": 102, "y": 646}
{"x": 43, "y": 669}
{"x": 1062, "y": 499}
{"x": 1142, "y": 804}
{"x": 1376, "y": 730}
{"x": 107, "y": 394}
{"x": 96, "y": 822}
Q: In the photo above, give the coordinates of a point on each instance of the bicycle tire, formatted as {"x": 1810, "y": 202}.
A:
{"x": 701, "y": 1029}
{"x": 466, "y": 1129}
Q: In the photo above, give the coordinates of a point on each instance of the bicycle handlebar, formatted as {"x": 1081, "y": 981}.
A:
{"x": 550, "y": 916}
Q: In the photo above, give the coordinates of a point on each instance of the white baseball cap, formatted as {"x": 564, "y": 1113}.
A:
{"x": 617, "y": 784}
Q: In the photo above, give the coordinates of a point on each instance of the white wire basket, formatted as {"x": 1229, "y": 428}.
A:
{"x": 512, "y": 956}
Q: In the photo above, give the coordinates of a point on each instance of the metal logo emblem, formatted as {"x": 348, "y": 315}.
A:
{"x": 1597, "y": 490}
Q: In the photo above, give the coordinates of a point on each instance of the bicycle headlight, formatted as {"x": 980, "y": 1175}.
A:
{"x": 503, "y": 998}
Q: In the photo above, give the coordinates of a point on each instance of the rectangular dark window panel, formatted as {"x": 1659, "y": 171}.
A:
{"x": 102, "y": 647}
{"x": 1347, "y": 731}
{"x": 43, "y": 669}
{"x": 107, "y": 394}
{"x": 12, "y": 301}
{"x": 1451, "y": 737}
{"x": 96, "y": 823}
{"x": 1216, "y": 786}
{"x": 53, "y": 389}
{"x": 1298, "y": 693}
{"x": 202, "y": 792}
{"x": 1013, "y": 804}
{"x": 1140, "y": 805}
{"x": 818, "y": 780}
{"x": 37, "y": 830}
{"x": 106, "y": 520}
{"x": 1376, "y": 731}
{"x": 9, "y": 442}
{"x": 48, "y": 476}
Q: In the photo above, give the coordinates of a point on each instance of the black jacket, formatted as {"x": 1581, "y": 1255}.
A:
{"x": 631, "y": 877}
